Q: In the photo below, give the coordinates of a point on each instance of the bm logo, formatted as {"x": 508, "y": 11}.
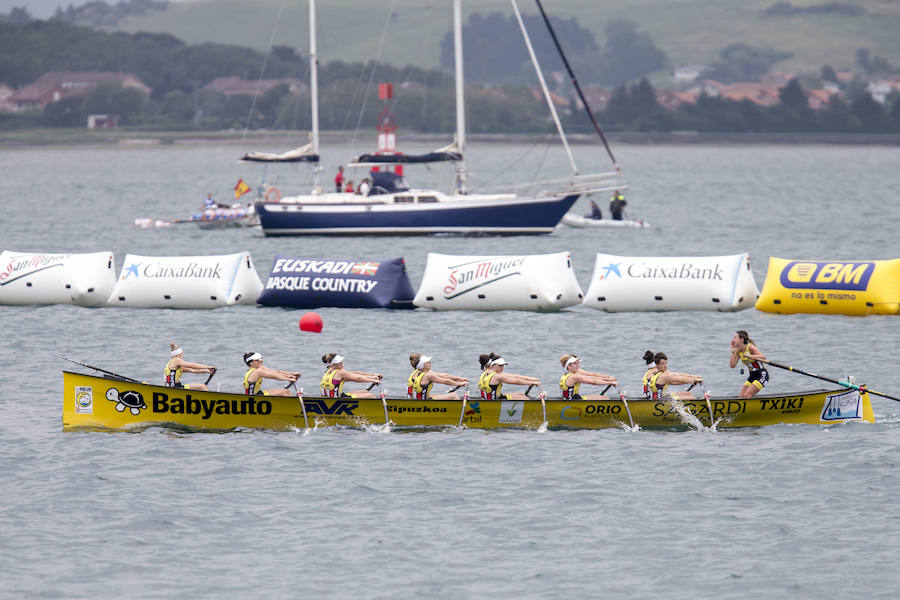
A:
{"x": 822, "y": 275}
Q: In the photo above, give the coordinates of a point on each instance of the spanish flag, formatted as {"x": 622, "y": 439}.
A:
{"x": 240, "y": 189}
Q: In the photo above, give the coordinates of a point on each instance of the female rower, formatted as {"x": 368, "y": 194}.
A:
{"x": 177, "y": 365}
{"x": 419, "y": 384}
{"x": 492, "y": 379}
{"x": 743, "y": 349}
{"x": 256, "y": 372}
{"x": 660, "y": 382}
{"x": 649, "y": 359}
{"x": 335, "y": 376}
{"x": 571, "y": 381}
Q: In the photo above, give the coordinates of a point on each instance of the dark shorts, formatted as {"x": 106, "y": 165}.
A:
{"x": 758, "y": 378}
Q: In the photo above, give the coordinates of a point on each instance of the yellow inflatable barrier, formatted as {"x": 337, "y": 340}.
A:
{"x": 836, "y": 287}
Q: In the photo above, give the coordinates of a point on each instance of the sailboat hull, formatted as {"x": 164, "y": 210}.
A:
{"x": 500, "y": 216}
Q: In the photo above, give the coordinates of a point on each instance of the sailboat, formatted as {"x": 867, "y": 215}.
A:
{"x": 392, "y": 208}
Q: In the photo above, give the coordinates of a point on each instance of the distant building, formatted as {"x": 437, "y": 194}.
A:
{"x": 881, "y": 89}
{"x": 671, "y": 100}
{"x": 5, "y": 93}
{"x": 102, "y": 121}
{"x": 235, "y": 86}
{"x": 56, "y": 85}
{"x": 596, "y": 96}
{"x": 688, "y": 73}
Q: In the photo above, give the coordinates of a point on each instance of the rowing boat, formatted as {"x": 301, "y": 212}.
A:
{"x": 105, "y": 403}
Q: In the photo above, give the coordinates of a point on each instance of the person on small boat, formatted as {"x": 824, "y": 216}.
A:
{"x": 570, "y": 382}
{"x": 364, "y": 186}
{"x": 660, "y": 382}
{"x": 595, "y": 213}
{"x": 211, "y": 204}
{"x": 617, "y": 205}
{"x": 492, "y": 378}
{"x": 256, "y": 372}
{"x": 177, "y": 365}
{"x": 335, "y": 375}
{"x": 339, "y": 179}
{"x": 422, "y": 379}
{"x": 348, "y": 187}
{"x": 650, "y": 361}
{"x": 744, "y": 350}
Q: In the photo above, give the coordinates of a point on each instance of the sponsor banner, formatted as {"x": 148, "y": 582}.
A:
{"x": 313, "y": 283}
{"x": 186, "y": 281}
{"x": 36, "y": 278}
{"x": 850, "y": 287}
{"x": 84, "y": 400}
{"x": 636, "y": 283}
{"x": 511, "y": 411}
{"x": 839, "y": 407}
{"x": 524, "y": 282}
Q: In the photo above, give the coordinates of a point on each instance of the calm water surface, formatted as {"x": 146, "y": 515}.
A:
{"x": 783, "y": 511}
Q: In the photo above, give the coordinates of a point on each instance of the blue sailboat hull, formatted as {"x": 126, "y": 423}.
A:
{"x": 507, "y": 216}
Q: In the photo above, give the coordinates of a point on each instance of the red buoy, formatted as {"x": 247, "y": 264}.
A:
{"x": 311, "y": 322}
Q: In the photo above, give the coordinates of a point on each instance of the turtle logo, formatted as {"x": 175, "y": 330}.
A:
{"x": 123, "y": 400}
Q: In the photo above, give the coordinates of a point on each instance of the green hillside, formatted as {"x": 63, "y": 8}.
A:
{"x": 689, "y": 31}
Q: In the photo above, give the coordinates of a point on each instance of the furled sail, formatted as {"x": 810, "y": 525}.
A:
{"x": 301, "y": 154}
{"x": 447, "y": 153}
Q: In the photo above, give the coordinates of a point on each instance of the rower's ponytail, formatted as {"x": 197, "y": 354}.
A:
{"x": 564, "y": 359}
{"x": 328, "y": 357}
{"x": 649, "y": 356}
{"x": 414, "y": 359}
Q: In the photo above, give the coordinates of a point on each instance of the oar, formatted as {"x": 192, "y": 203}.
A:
{"x": 302, "y": 404}
{"x": 383, "y": 394}
{"x": 708, "y": 405}
{"x": 211, "y": 373}
{"x": 861, "y": 388}
{"x": 625, "y": 402}
{"x": 528, "y": 390}
{"x": 543, "y": 397}
{"x": 606, "y": 389}
{"x": 77, "y": 362}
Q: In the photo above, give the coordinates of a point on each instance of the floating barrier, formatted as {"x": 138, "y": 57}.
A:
{"x": 636, "y": 283}
{"x": 842, "y": 287}
{"x": 313, "y": 283}
{"x": 36, "y": 278}
{"x": 186, "y": 281}
{"x": 525, "y": 282}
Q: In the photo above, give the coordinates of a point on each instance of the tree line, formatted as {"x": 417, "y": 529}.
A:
{"x": 424, "y": 99}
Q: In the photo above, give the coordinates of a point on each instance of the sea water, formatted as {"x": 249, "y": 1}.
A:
{"x": 794, "y": 511}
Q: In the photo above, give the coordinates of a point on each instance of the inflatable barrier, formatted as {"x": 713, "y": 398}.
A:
{"x": 842, "y": 287}
{"x": 635, "y": 283}
{"x": 32, "y": 278}
{"x": 313, "y": 283}
{"x": 186, "y": 281}
{"x": 526, "y": 282}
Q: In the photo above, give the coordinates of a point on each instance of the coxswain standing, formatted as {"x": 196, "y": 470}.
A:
{"x": 177, "y": 365}
{"x": 745, "y": 351}
{"x": 570, "y": 382}
{"x": 419, "y": 383}
{"x": 256, "y": 372}
{"x": 492, "y": 379}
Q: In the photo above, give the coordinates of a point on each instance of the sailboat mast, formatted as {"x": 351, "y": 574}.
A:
{"x": 313, "y": 77}
{"x": 460, "y": 97}
{"x": 574, "y": 80}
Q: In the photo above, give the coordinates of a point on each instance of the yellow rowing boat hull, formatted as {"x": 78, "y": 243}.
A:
{"x": 91, "y": 402}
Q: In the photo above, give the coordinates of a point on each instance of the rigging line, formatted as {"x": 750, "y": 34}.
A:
{"x": 362, "y": 108}
{"x": 517, "y": 159}
{"x": 261, "y": 73}
{"x": 587, "y": 107}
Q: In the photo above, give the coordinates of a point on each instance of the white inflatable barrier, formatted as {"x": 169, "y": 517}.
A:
{"x": 186, "y": 281}
{"x": 525, "y": 282}
{"x": 34, "y": 278}
{"x": 636, "y": 283}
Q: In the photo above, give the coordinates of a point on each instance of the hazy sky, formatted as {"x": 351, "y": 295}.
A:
{"x": 45, "y": 8}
